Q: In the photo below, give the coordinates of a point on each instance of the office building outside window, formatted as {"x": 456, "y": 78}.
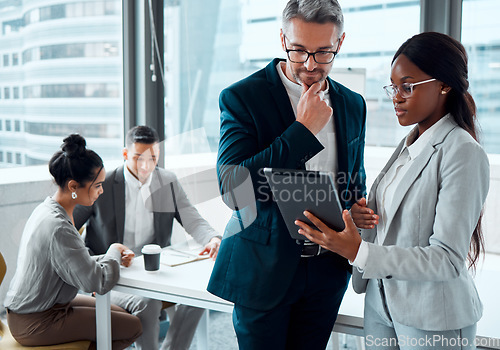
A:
{"x": 61, "y": 67}
{"x": 212, "y": 44}
{"x": 61, "y": 73}
{"x": 481, "y": 38}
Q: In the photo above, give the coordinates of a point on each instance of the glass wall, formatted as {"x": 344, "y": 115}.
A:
{"x": 60, "y": 73}
{"x": 212, "y": 44}
{"x": 481, "y": 38}
{"x": 62, "y": 63}
{"x": 374, "y": 31}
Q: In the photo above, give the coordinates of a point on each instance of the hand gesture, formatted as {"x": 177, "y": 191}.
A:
{"x": 212, "y": 248}
{"x": 345, "y": 243}
{"x": 312, "y": 111}
{"x": 363, "y": 216}
{"x": 126, "y": 254}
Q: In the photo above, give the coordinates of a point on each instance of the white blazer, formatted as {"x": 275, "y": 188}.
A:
{"x": 429, "y": 226}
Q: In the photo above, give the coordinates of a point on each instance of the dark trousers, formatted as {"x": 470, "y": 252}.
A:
{"x": 304, "y": 319}
{"x": 72, "y": 322}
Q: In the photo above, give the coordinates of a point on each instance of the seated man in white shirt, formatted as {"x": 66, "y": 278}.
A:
{"x": 138, "y": 206}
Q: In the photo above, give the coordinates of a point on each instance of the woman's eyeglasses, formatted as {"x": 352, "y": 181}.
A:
{"x": 405, "y": 90}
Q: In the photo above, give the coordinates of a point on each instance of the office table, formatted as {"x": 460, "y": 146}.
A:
{"x": 186, "y": 284}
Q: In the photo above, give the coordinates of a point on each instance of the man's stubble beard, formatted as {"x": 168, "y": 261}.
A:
{"x": 296, "y": 75}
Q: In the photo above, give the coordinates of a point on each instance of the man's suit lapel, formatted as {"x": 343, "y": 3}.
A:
{"x": 157, "y": 190}
{"x": 280, "y": 96}
{"x": 119, "y": 202}
{"x": 162, "y": 203}
{"x": 340, "y": 120}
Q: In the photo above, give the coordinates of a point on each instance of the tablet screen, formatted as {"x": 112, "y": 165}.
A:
{"x": 298, "y": 190}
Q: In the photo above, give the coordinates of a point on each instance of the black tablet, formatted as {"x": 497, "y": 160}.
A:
{"x": 298, "y": 190}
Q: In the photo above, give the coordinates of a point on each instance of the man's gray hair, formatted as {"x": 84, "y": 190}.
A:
{"x": 314, "y": 11}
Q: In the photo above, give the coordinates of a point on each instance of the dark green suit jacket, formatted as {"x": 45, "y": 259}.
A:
{"x": 258, "y": 258}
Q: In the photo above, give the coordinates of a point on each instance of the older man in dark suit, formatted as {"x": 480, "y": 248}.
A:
{"x": 288, "y": 115}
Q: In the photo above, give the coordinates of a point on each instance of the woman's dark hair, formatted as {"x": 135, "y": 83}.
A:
{"x": 75, "y": 162}
{"x": 445, "y": 59}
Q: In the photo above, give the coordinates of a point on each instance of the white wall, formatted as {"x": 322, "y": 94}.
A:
{"x": 18, "y": 197}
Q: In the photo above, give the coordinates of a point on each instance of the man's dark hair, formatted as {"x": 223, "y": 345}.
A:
{"x": 141, "y": 134}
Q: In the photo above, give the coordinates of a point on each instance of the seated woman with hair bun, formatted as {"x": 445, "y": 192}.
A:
{"x": 43, "y": 307}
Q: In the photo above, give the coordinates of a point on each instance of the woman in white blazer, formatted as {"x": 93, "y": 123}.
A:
{"x": 422, "y": 220}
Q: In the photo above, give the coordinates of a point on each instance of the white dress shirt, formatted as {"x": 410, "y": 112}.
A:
{"x": 388, "y": 185}
{"x": 326, "y": 160}
{"x": 139, "y": 223}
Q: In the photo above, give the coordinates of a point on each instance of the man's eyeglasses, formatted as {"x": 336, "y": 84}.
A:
{"x": 405, "y": 90}
{"x": 301, "y": 56}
